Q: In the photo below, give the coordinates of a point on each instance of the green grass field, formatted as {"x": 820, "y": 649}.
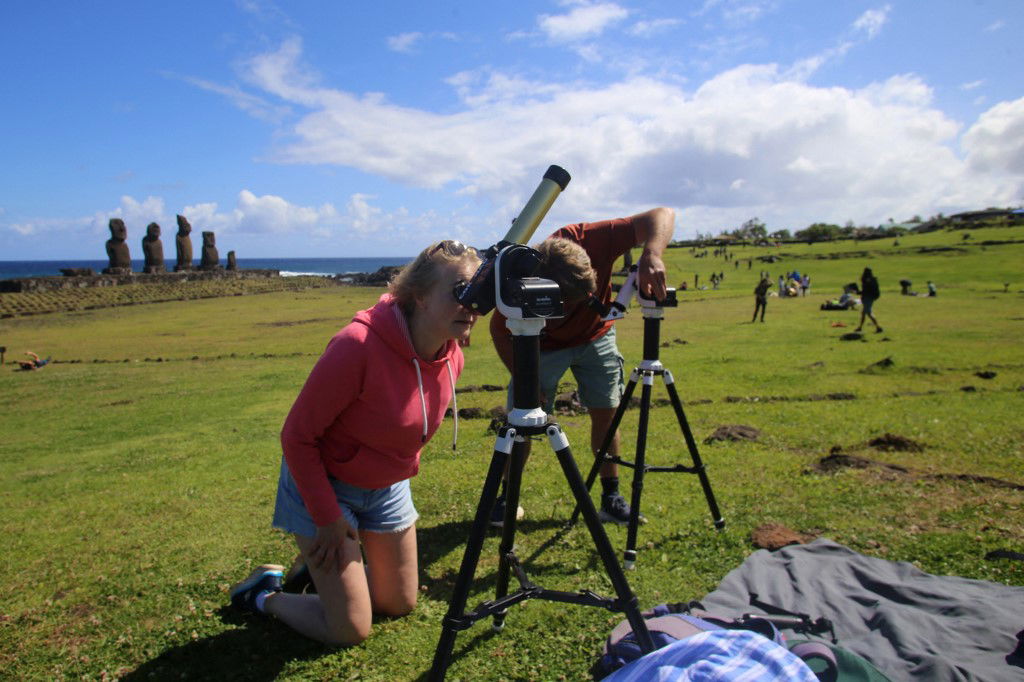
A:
{"x": 137, "y": 472}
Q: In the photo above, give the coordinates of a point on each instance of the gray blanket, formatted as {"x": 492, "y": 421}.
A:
{"x": 909, "y": 624}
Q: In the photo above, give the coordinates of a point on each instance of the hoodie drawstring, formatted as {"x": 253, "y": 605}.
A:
{"x": 423, "y": 400}
{"x": 455, "y": 399}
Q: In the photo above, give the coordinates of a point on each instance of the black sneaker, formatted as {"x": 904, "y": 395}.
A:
{"x": 615, "y": 509}
{"x": 265, "y": 578}
{"x": 498, "y": 513}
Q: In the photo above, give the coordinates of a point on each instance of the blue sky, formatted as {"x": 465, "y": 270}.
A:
{"x": 362, "y": 129}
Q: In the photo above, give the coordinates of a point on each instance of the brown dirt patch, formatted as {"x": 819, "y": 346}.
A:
{"x": 837, "y": 460}
{"x": 293, "y": 323}
{"x": 773, "y": 536}
{"x": 733, "y": 432}
{"x": 891, "y": 442}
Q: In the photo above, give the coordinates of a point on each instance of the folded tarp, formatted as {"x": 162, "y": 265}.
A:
{"x": 909, "y": 624}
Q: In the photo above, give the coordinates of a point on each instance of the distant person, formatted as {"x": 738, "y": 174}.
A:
{"x": 782, "y": 285}
{"x": 931, "y": 289}
{"x": 805, "y": 284}
{"x": 33, "y": 362}
{"x": 352, "y": 441}
{"x": 761, "y": 297}
{"x": 869, "y": 293}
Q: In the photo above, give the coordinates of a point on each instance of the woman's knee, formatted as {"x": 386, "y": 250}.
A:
{"x": 396, "y": 606}
{"x": 348, "y": 632}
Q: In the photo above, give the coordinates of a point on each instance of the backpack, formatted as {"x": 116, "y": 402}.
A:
{"x": 668, "y": 623}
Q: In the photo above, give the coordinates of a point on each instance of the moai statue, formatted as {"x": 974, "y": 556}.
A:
{"x": 232, "y": 262}
{"x": 183, "y": 245}
{"x": 210, "y": 259}
{"x": 153, "y": 250}
{"x": 117, "y": 249}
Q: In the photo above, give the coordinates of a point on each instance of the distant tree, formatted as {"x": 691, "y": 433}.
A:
{"x": 781, "y": 235}
{"x": 819, "y": 232}
{"x": 752, "y": 230}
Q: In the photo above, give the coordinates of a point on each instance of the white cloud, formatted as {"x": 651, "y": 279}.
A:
{"x": 973, "y": 85}
{"x": 261, "y": 214}
{"x": 404, "y": 42}
{"x": 747, "y": 11}
{"x": 135, "y": 214}
{"x": 996, "y": 25}
{"x": 802, "y": 152}
{"x": 653, "y": 27}
{"x": 995, "y": 144}
{"x": 257, "y": 106}
{"x": 872, "y": 21}
{"x": 584, "y": 21}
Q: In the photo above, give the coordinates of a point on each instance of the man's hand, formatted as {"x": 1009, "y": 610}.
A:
{"x": 654, "y": 229}
{"x": 651, "y": 276}
{"x": 327, "y": 552}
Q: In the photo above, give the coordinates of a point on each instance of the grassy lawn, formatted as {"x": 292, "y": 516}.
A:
{"x": 137, "y": 472}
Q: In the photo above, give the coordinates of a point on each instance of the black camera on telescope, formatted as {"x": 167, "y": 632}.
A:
{"x": 534, "y": 296}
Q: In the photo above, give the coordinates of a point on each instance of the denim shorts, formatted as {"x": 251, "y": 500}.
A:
{"x": 868, "y": 304}
{"x": 382, "y": 510}
{"x": 597, "y": 367}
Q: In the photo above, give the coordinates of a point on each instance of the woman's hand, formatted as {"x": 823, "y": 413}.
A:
{"x": 327, "y": 552}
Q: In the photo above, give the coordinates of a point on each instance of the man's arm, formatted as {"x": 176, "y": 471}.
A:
{"x": 654, "y": 229}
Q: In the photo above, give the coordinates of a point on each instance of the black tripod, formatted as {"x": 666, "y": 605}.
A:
{"x": 526, "y": 419}
{"x": 648, "y": 369}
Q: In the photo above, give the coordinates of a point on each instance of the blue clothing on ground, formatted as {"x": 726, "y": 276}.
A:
{"x": 718, "y": 655}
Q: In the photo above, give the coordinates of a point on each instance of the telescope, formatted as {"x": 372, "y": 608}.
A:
{"x": 534, "y": 298}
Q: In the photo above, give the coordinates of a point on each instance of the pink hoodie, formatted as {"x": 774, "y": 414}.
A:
{"x": 366, "y": 409}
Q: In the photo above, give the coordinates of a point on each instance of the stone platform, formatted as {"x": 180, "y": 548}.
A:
{"x": 31, "y": 284}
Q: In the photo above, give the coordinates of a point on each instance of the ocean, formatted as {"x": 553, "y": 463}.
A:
{"x": 289, "y": 267}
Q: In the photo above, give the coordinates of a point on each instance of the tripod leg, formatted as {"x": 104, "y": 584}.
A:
{"x": 460, "y": 593}
{"x": 520, "y": 450}
{"x": 608, "y": 437}
{"x": 705, "y": 483}
{"x": 629, "y": 560}
{"x": 626, "y": 599}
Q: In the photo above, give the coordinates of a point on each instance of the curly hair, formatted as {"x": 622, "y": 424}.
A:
{"x": 418, "y": 277}
{"x": 568, "y": 264}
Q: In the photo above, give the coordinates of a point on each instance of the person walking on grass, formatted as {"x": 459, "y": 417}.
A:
{"x": 761, "y": 297}
{"x": 352, "y": 441}
{"x": 580, "y": 259}
{"x": 869, "y": 293}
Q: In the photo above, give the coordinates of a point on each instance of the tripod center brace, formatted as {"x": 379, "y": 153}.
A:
{"x": 505, "y": 279}
{"x": 653, "y": 312}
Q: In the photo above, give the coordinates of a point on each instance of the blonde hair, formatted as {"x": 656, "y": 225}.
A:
{"x": 568, "y": 264}
{"x": 419, "y": 277}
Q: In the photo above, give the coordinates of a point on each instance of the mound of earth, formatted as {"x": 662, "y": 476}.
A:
{"x": 733, "y": 432}
{"x": 773, "y": 536}
{"x": 891, "y": 442}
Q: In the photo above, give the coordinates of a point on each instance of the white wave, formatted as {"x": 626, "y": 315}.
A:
{"x": 288, "y": 273}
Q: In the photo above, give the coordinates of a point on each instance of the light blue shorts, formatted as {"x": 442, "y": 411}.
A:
{"x": 382, "y": 510}
{"x": 597, "y": 367}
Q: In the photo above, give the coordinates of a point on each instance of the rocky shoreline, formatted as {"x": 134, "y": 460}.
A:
{"x": 79, "y": 279}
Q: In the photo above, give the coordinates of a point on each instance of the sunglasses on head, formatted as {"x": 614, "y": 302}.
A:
{"x": 452, "y": 247}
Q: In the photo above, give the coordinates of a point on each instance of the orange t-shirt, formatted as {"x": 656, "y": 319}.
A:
{"x": 605, "y": 242}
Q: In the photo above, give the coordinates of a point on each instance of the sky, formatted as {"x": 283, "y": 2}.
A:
{"x": 344, "y": 129}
